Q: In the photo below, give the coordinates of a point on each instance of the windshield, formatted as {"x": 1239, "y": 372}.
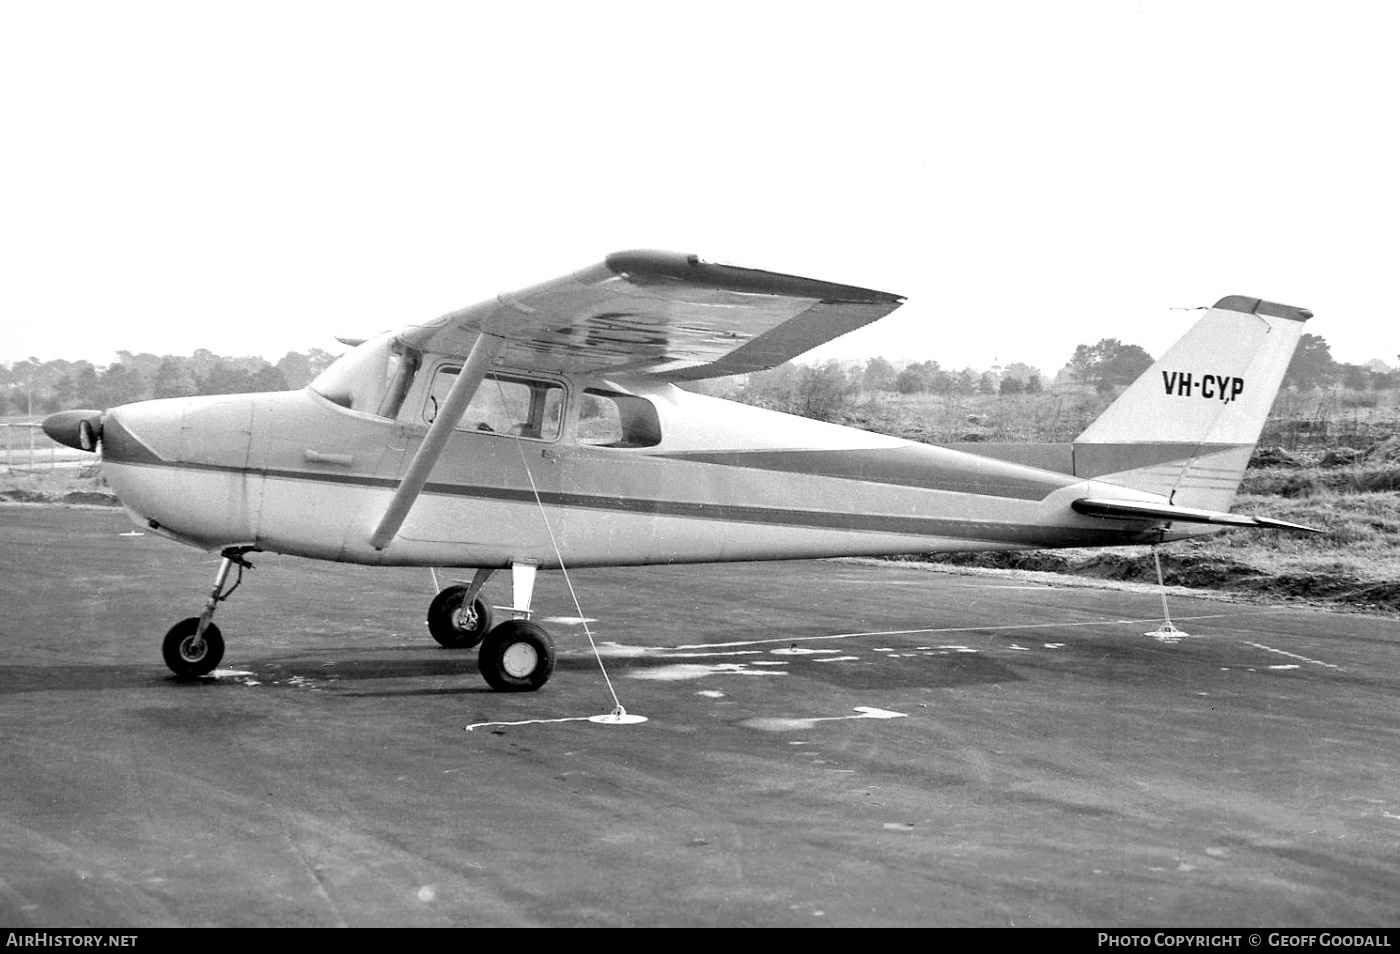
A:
{"x": 373, "y": 378}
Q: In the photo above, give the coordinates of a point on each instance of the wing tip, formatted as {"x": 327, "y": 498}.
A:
{"x": 651, "y": 262}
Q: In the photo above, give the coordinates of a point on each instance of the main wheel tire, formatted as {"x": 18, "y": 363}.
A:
{"x": 181, "y": 655}
{"x": 455, "y": 626}
{"x": 516, "y": 656}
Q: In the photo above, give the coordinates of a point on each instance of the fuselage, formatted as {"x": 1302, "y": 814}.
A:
{"x": 596, "y": 473}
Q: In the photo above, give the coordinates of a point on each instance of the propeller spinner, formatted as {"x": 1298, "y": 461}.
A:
{"x": 80, "y": 429}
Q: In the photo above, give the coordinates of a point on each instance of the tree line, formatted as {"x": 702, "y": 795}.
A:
{"x": 829, "y": 390}
{"x": 822, "y": 391}
{"x": 42, "y": 387}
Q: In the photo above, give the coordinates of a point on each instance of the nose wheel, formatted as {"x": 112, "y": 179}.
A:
{"x": 194, "y": 647}
{"x": 190, "y": 653}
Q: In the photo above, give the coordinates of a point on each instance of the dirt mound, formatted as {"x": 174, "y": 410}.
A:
{"x": 1299, "y": 483}
{"x": 1384, "y": 452}
{"x": 1232, "y": 575}
{"x": 1039, "y": 560}
{"x": 1347, "y": 590}
{"x": 1385, "y": 595}
{"x": 1341, "y": 457}
{"x": 91, "y": 497}
{"x": 1211, "y": 574}
{"x": 87, "y": 497}
{"x": 1275, "y": 457}
{"x": 24, "y": 496}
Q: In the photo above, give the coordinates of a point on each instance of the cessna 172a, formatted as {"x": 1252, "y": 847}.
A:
{"x": 545, "y": 429}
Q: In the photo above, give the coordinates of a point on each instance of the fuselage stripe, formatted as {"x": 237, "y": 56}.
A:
{"x": 908, "y": 525}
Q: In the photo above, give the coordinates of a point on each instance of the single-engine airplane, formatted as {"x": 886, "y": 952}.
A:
{"x": 545, "y": 429}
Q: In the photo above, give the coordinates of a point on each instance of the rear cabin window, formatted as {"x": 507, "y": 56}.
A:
{"x": 610, "y": 419}
{"x": 503, "y": 404}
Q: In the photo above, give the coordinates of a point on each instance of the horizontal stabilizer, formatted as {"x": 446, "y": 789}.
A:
{"x": 1134, "y": 510}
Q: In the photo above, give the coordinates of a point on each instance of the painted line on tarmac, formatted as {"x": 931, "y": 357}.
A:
{"x": 1315, "y": 662}
{"x": 791, "y": 640}
{"x": 681, "y": 671}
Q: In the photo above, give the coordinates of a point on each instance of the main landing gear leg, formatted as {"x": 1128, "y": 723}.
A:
{"x": 194, "y": 646}
{"x": 517, "y": 655}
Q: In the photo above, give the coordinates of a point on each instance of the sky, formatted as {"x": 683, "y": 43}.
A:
{"x": 257, "y": 178}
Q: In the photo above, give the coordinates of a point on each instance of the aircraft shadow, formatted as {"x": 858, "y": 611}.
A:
{"x": 20, "y": 679}
{"x": 330, "y": 670}
{"x": 467, "y": 668}
{"x": 269, "y": 671}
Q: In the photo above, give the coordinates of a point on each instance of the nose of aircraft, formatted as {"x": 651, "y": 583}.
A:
{"x": 80, "y": 429}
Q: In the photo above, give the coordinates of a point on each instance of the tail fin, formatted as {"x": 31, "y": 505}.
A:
{"x": 1187, "y": 427}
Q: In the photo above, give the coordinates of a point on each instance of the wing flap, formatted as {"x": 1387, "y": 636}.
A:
{"x": 659, "y": 313}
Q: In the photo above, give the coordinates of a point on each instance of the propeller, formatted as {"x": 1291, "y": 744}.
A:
{"x": 80, "y": 429}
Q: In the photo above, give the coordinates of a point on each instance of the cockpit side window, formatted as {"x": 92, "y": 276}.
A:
{"x": 612, "y": 419}
{"x": 507, "y": 404}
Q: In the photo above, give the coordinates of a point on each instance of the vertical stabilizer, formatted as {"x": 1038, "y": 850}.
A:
{"x": 1187, "y": 427}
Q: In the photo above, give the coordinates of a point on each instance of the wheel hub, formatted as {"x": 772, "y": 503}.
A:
{"x": 519, "y": 660}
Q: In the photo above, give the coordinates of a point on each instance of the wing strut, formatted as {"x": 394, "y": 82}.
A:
{"x": 468, "y": 380}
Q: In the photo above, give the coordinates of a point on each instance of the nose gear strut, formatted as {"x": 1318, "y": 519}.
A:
{"x": 194, "y": 646}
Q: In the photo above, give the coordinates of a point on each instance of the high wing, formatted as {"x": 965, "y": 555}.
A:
{"x": 662, "y": 313}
